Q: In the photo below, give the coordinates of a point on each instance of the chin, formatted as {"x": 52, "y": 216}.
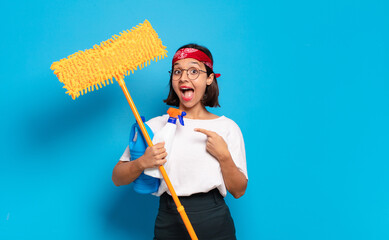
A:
{"x": 186, "y": 105}
{"x": 189, "y": 104}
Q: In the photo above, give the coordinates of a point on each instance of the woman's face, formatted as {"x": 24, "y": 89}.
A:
{"x": 190, "y": 92}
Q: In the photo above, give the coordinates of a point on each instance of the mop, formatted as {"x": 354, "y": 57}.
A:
{"x": 85, "y": 71}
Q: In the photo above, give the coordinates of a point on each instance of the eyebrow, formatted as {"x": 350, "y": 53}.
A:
{"x": 190, "y": 62}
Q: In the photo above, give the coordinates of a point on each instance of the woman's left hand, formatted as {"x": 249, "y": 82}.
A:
{"x": 234, "y": 179}
{"x": 216, "y": 145}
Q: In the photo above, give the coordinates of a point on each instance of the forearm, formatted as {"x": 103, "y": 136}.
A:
{"x": 234, "y": 179}
{"x": 126, "y": 172}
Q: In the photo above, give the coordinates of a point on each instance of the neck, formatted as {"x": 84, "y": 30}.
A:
{"x": 196, "y": 112}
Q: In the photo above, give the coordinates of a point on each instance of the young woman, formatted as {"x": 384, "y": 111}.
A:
{"x": 208, "y": 154}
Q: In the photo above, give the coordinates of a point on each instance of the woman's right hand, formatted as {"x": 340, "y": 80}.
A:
{"x": 154, "y": 156}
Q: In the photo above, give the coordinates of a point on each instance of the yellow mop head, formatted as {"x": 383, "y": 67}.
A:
{"x": 114, "y": 58}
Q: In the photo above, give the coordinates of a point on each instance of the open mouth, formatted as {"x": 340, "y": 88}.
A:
{"x": 187, "y": 93}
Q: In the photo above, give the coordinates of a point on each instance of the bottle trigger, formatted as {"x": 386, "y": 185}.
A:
{"x": 181, "y": 118}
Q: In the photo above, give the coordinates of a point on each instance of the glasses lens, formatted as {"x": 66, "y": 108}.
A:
{"x": 193, "y": 73}
{"x": 177, "y": 74}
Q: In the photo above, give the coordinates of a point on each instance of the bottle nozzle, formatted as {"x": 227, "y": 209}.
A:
{"x": 177, "y": 113}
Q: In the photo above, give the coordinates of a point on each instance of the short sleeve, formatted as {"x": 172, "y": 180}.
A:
{"x": 126, "y": 155}
{"x": 237, "y": 149}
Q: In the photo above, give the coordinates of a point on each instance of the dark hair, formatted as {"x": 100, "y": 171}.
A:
{"x": 211, "y": 95}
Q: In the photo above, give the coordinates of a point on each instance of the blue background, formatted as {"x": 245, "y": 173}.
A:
{"x": 307, "y": 82}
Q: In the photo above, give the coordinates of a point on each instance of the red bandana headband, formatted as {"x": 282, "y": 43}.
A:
{"x": 195, "y": 54}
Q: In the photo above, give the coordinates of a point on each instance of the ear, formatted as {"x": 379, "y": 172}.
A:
{"x": 210, "y": 79}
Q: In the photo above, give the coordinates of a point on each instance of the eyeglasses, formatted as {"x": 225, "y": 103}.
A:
{"x": 192, "y": 73}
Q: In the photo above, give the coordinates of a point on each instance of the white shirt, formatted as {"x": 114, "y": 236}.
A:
{"x": 194, "y": 169}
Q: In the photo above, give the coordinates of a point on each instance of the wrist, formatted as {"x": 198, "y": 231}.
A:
{"x": 224, "y": 157}
{"x": 138, "y": 164}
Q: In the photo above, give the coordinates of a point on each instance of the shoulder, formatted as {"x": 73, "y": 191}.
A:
{"x": 158, "y": 119}
{"x": 231, "y": 126}
{"x": 228, "y": 122}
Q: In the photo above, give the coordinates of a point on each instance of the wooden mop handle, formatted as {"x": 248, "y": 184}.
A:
{"x": 180, "y": 208}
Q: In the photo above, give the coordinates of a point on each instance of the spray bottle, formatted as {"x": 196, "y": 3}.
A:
{"x": 143, "y": 184}
{"x": 166, "y": 134}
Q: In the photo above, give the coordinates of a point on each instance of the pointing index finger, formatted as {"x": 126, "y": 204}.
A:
{"x": 206, "y": 132}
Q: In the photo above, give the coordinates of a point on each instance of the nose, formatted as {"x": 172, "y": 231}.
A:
{"x": 184, "y": 75}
